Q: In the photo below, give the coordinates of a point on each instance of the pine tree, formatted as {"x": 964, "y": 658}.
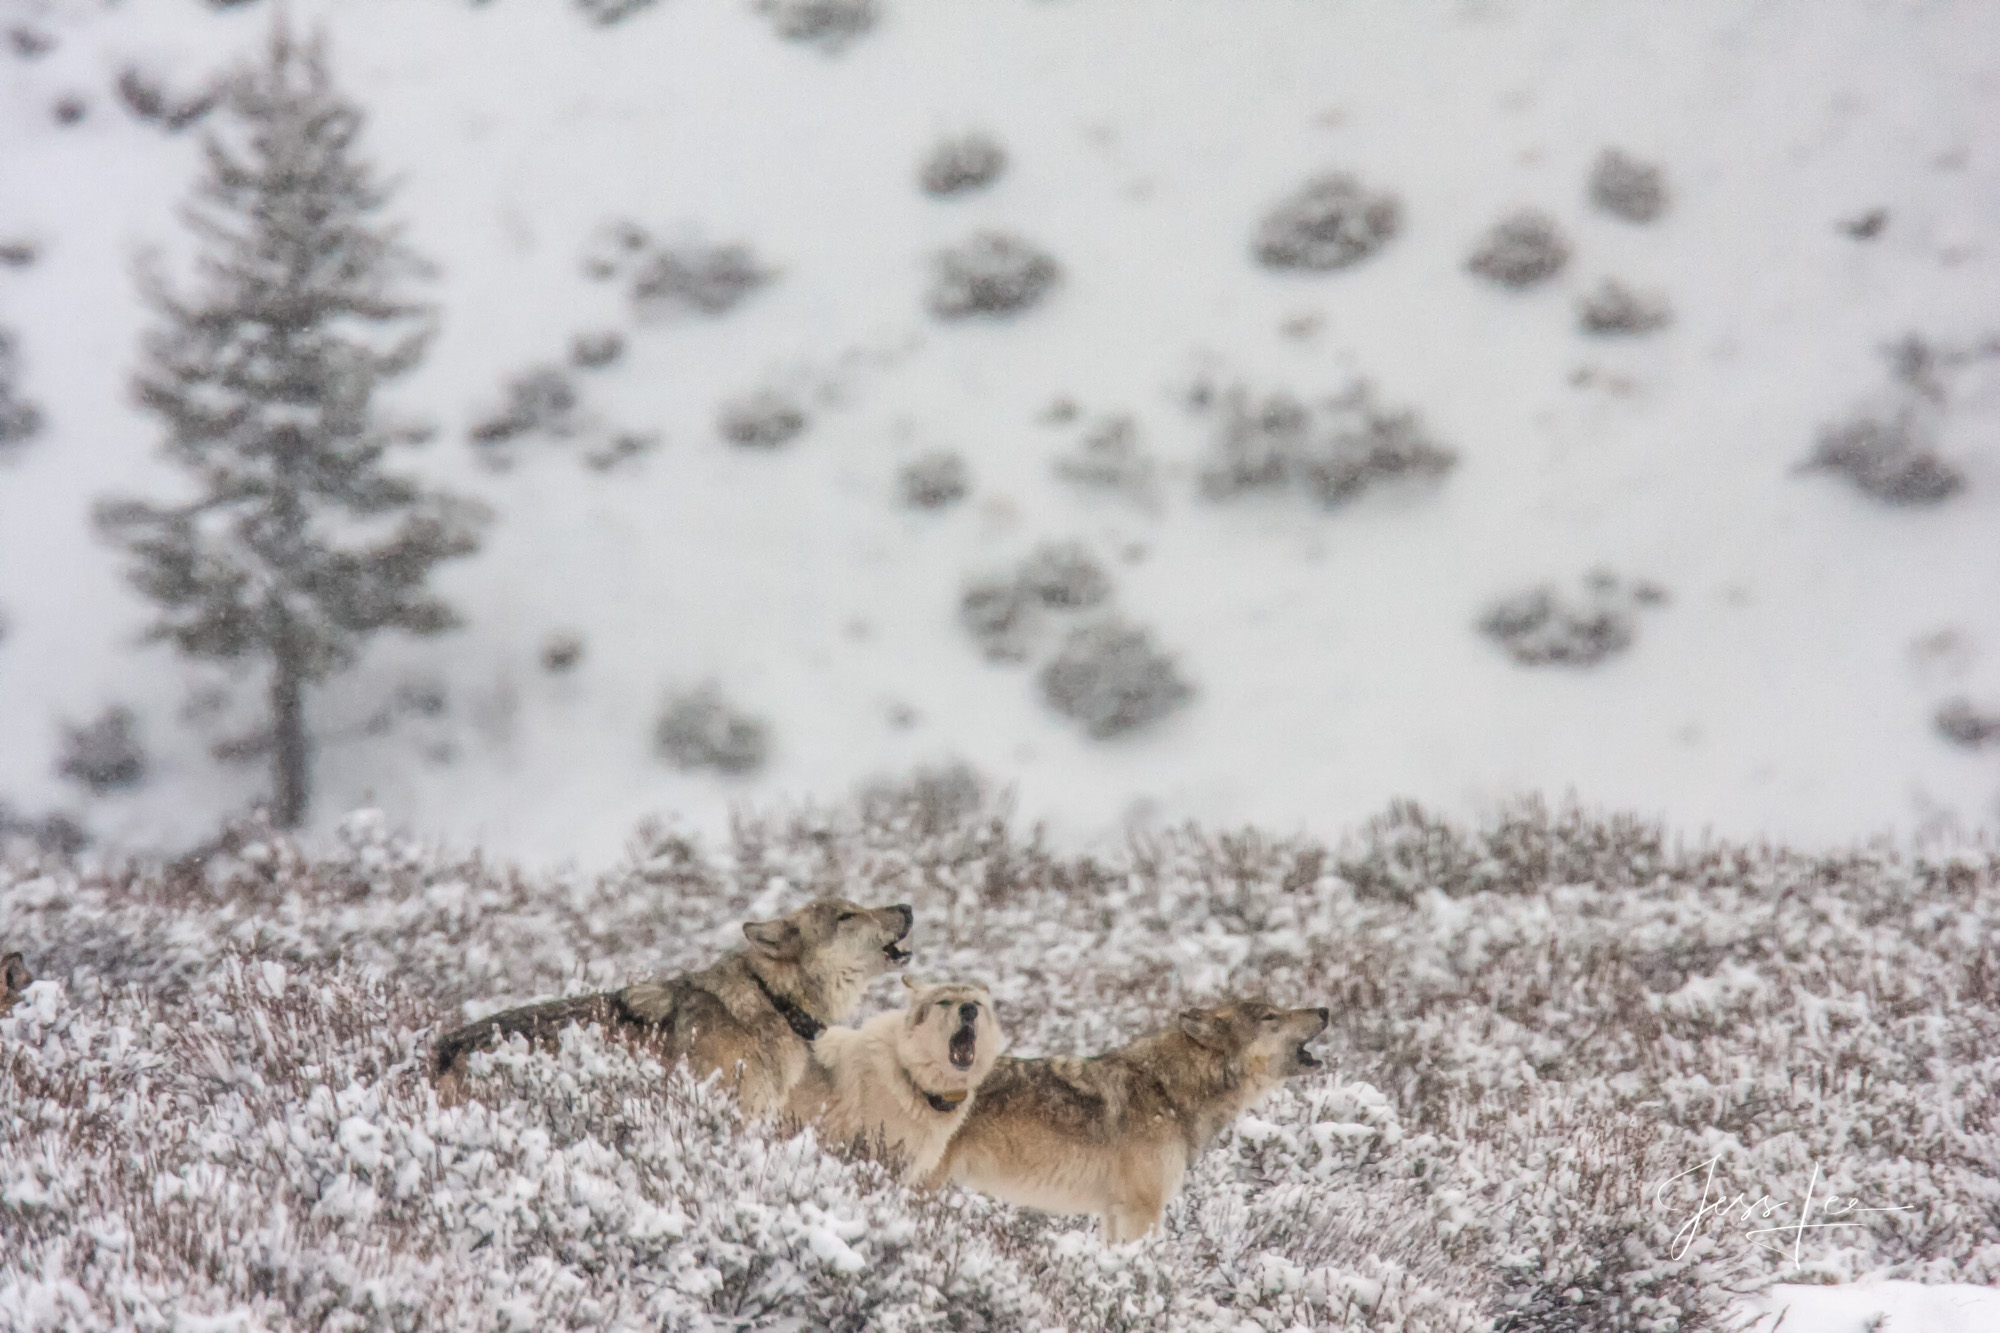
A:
{"x": 297, "y": 543}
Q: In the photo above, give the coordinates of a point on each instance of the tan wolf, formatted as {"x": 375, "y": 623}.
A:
{"x": 14, "y": 978}
{"x": 1113, "y": 1134}
{"x": 751, "y": 1017}
{"x": 902, "y": 1083}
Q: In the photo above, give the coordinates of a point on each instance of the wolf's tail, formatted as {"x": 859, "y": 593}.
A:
{"x": 539, "y": 1023}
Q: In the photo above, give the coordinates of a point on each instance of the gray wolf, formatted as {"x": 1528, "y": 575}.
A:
{"x": 901, "y": 1083}
{"x": 751, "y": 1017}
{"x": 14, "y": 978}
{"x": 1113, "y": 1134}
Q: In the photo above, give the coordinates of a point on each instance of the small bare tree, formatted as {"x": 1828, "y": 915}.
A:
{"x": 295, "y": 542}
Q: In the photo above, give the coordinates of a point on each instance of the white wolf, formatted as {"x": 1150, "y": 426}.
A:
{"x": 901, "y": 1083}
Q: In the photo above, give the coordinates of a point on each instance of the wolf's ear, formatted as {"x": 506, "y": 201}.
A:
{"x": 1204, "y": 1029}
{"x": 777, "y": 940}
{"x": 911, "y": 984}
{"x": 14, "y": 973}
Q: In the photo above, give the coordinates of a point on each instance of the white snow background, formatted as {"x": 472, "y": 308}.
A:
{"x": 1785, "y": 690}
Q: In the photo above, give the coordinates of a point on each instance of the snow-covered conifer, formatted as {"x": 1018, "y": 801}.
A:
{"x": 295, "y": 542}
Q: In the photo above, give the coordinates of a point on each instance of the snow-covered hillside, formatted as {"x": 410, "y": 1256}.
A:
{"x": 215, "y": 1113}
{"x": 1787, "y": 685}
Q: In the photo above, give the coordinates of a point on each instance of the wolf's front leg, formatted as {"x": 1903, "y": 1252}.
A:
{"x": 1132, "y": 1217}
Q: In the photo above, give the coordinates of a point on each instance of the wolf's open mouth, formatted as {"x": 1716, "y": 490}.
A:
{"x": 896, "y": 953}
{"x": 963, "y": 1047}
{"x": 1307, "y": 1060}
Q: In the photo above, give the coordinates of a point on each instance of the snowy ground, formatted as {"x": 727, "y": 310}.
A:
{"x": 215, "y": 1109}
{"x": 1555, "y": 1013}
{"x": 1902, "y": 1305}
{"x": 1785, "y": 689}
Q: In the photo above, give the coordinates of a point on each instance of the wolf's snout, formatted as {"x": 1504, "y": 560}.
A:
{"x": 964, "y": 1044}
{"x": 1305, "y": 1058}
{"x": 893, "y": 950}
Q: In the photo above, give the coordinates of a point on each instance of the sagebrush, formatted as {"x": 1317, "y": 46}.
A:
{"x": 213, "y": 1105}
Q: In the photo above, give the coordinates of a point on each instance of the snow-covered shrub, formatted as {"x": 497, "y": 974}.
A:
{"x": 604, "y": 13}
{"x": 104, "y": 754}
{"x": 29, "y": 42}
{"x": 1889, "y": 459}
{"x": 664, "y": 279}
{"x": 54, "y": 834}
{"x": 765, "y": 419}
{"x": 1963, "y": 723}
{"x": 1001, "y": 616}
{"x": 1111, "y": 677}
{"x": 1866, "y": 226}
{"x": 615, "y": 250}
{"x": 1537, "y": 628}
{"x": 1625, "y": 187}
{"x": 827, "y": 24}
{"x": 561, "y": 651}
{"x": 1407, "y": 852}
{"x": 1889, "y": 450}
{"x": 1886, "y": 462}
{"x": 961, "y": 164}
{"x": 1521, "y": 250}
{"x": 621, "y": 447}
{"x": 1334, "y": 448}
{"x": 1065, "y": 575}
{"x": 991, "y": 274}
{"x": 1542, "y": 627}
{"x": 20, "y": 419}
{"x": 1110, "y": 458}
{"x": 596, "y": 349}
{"x": 148, "y": 100}
{"x": 212, "y": 1107}
{"x": 541, "y": 399}
{"x": 423, "y": 696}
{"x": 1615, "y": 308}
{"x": 1330, "y": 222}
{"x": 1586, "y": 1245}
{"x": 700, "y": 729}
{"x": 708, "y": 280}
{"x": 1004, "y": 614}
{"x": 936, "y": 480}
{"x": 932, "y": 800}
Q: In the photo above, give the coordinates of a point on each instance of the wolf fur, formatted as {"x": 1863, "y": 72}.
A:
{"x": 902, "y": 1083}
{"x": 14, "y": 978}
{"x": 1113, "y": 1134}
{"x": 751, "y": 1017}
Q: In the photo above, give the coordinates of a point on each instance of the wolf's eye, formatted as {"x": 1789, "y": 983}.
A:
{"x": 845, "y": 917}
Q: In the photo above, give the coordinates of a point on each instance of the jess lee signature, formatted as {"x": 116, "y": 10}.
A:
{"x": 1714, "y": 1206}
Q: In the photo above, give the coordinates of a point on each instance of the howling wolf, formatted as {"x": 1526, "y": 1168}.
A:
{"x": 751, "y": 1017}
{"x": 903, "y": 1082}
{"x": 1113, "y": 1134}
